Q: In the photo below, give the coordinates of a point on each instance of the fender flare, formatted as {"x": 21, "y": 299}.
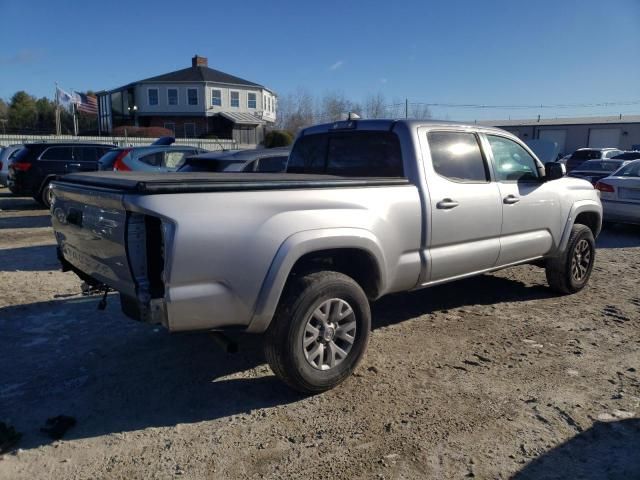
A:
{"x": 294, "y": 248}
{"x": 577, "y": 208}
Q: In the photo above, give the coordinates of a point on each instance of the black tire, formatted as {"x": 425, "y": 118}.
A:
{"x": 570, "y": 272}
{"x": 284, "y": 338}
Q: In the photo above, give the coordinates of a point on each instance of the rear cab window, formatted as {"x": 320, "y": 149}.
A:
{"x": 348, "y": 153}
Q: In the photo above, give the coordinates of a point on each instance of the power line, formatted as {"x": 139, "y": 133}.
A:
{"x": 486, "y": 106}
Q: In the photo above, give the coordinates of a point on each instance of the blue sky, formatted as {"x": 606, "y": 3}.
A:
{"x": 496, "y": 52}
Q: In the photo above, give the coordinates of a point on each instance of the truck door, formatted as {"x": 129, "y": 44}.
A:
{"x": 531, "y": 210}
{"x": 463, "y": 232}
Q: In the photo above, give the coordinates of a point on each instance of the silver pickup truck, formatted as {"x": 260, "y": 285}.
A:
{"x": 366, "y": 208}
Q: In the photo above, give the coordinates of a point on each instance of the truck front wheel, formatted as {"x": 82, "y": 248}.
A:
{"x": 320, "y": 331}
{"x": 570, "y": 272}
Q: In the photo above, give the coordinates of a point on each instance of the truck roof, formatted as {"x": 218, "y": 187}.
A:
{"x": 386, "y": 124}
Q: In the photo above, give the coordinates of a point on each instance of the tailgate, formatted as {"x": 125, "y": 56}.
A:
{"x": 93, "y": 231}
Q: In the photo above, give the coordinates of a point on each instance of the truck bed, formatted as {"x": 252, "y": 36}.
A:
{"x": 153, "y": 183}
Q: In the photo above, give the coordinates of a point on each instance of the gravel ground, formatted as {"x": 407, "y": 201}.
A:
{"x": 492, "y": 377}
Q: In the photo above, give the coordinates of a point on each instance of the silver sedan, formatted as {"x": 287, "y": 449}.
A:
{"x": 620, "y": 194}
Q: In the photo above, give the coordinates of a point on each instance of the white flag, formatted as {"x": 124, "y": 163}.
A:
{"x": 64, "y": 99}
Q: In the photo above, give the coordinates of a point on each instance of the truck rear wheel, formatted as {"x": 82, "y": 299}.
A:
{"x": 570, "y": 272}
{"x": 320, "y": 331}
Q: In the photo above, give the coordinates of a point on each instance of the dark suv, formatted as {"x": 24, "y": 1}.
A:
{"x": 37, "y": 164}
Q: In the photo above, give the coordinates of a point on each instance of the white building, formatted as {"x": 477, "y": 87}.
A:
{"x": 619, "y": 131}
{"x": 192, "y": 102}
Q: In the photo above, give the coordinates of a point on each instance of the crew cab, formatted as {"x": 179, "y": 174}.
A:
{"x": 366, "y": 208}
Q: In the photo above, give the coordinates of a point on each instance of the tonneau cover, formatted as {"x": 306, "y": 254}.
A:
{"x": 159, "y": 182}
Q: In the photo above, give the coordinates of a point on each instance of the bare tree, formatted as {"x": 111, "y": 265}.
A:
{"x": 419, "y": 111}
{"x": 295, "y": 111}
{"x": 333, "y": 106}
{"x": 375, "y": 106}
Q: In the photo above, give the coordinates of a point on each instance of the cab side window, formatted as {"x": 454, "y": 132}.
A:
{"x": 512, "y": 162}
{"x": 457, "y": 157}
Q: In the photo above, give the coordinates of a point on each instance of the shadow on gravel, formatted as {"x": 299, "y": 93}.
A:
{"x": 115, "y": 375}
{"x": 482, "y": 290}
{"x": 29, "y": 259}
{"x": 27, "y": 221}
{"x": 619, "y": 236}
{"x": 9, "y": 201}
{"x": 607, "y": 450}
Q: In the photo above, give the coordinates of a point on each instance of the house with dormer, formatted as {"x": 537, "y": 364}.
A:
{"x": 197, "y": 101}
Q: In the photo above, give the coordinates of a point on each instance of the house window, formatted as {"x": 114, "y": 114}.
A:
{"x": 216, "y": 97}
{"x": 172, "y": 96}
{"x": 264, "y": 102}
{"x": 189, "y": 130}
{"x": 251, "y": 100}
{"x": 152, "y": 96}
{"x": 170, "y": 126}
{"x": 235, "y": 99}
{"x": 192, "y": 96}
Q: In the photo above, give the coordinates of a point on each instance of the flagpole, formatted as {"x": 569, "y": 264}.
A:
{"x": 58, "y": 129}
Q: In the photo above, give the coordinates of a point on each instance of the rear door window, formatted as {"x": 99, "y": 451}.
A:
{"x": 358, "y": 153}
{"x": 154, "y": 159}
{"x": 86, "y": 154}
{"x": 457, "y": 156}
{"x": 57, "y": 153}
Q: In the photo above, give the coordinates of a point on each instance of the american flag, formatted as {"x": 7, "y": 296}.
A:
{"x": 86, "y": 103}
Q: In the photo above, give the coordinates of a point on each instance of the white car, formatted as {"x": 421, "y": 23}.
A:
{"x": 620, "y": 194}
{"x": 5, "y": 158}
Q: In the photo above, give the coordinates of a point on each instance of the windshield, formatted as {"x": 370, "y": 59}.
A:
{"x": 586, "y": 154}
{"x": 600, "y": 166}
{"x": 629, "y": 170}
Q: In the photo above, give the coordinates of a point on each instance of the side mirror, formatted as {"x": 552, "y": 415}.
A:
{"x": 554, "y": 170}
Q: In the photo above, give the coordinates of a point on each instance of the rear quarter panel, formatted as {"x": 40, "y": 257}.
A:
{"x": 221, "y": 245}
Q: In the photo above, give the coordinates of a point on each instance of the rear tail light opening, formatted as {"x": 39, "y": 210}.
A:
{"x": 604, "y": 187}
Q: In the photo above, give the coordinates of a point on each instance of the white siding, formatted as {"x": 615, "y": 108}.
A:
{"x": 142, "y": 98}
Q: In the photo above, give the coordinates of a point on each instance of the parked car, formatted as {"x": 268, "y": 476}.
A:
{"x": 583, "y": 154}
{"x": 620, "y": 194}
{"x": 6, "y": 157}
{"x": 366, "y": 208}
{"x": 272, "y": 160}
{"x": 631, "y": 155}
{"x": 594, "y": 170}
{"x": 151, "y": 158}
{"x": 37, "y": 164}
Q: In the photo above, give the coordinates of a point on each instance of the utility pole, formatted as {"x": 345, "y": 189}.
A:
{"x": 406, "y": 108}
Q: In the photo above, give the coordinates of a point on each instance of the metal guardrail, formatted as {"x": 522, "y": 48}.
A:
{"x": 205, "y": 143}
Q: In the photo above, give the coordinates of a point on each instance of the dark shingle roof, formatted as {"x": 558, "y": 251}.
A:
{"x": 200, "y": 74}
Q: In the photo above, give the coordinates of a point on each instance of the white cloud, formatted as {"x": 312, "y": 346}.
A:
{"x": 337, "y": 65}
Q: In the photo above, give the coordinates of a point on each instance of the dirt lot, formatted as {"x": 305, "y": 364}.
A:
{"x": 493, "y": 377}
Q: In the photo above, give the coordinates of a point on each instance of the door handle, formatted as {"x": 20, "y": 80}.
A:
{"x": 510, "y": 199}
{"x": 447, "y": 204}
{"x": 73, "y": 165}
